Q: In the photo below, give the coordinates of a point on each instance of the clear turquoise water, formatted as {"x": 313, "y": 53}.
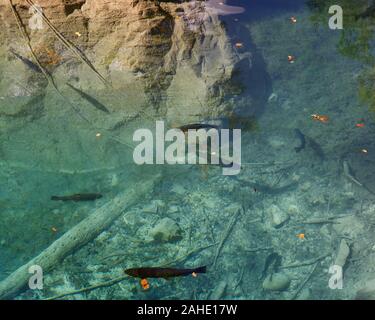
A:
{"x": 274, "y": 178}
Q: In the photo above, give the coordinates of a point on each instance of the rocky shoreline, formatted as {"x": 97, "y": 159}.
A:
{"x": 177, "y": 57}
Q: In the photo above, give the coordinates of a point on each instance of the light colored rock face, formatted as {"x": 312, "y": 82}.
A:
{"x": 174, "y": 55}
{"x": 163, "y": 59}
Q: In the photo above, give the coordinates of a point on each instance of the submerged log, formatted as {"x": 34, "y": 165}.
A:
{"x": 79, "y": 235}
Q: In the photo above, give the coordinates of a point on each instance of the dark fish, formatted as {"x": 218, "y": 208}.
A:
{"x": 246, "y": 123}
{"x": 272, "y": 264}
{"x": 220, "y": 8}
{"x": 31, "y": 65}
{"x": 368, "y": 13}
{"x": 78, "y": 197}
{"x": 302, "y": 139}
{"x": 197, "y": 126}
{"x": 155, "y": 272}
{"x": 90, "y": 99}
{"x": 317, "y": 149}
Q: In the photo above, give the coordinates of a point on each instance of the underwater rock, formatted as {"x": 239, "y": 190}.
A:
{"x": 178, "y": 189}
{"x": 325, "y": 231}
{"x": 160, "y": 204}
{"x": 218, "y": 292}
{"x": 305, "y": 186}
{"x": 210, "y": 202}
{"x": 289, "y": 205}
{"x": 286, "y": 105}
{"x": 292, "y": 209}
{"x": 367, "y": 292}
{"x": 154, "y": 207}
{"x": 166, "y": 230}
{"x": 273, "y": 97}
{"x": 277, "y": 142}
{"x": 173, "y": 209}
{"x": 342, "y": 254}
{"x": 173, "y": 53}
{"x": 114, "y": 180}
{"x": 305, "y": 294}
{"x": 278, "y": 217}
{"x": 350, "y": 226}
{"x": 276, "y": 282}
{"x": 151, "y": 208}
{"x": 162, "y": 59}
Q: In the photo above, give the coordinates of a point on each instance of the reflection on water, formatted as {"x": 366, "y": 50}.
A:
{"x": 302, "y": 202}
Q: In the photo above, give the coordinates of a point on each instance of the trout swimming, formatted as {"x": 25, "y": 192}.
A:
{"x": 155, "y": 272}
{"x": 197, "y": 126}
{"x": 78, "y": 197}
{"x": 98, "y": 105}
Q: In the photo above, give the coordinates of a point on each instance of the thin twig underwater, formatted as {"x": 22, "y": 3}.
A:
{"x": 68, "y": 44}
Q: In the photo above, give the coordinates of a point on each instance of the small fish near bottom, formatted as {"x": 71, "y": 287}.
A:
{"x": 78, "y": 197}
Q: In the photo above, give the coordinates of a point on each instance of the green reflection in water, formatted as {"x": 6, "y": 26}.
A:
{"x": 357, "y": 39}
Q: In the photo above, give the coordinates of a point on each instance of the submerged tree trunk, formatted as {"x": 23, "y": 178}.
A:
{"x": 82, "y": 233}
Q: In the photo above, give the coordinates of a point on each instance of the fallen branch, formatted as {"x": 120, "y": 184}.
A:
{"x": 323, "y": 220}
{"x": 348, "y": 173}
{"x": 226, "y": 235}
{"x": 304, "y": 282}
{"x": 187, "y": 255}
{"x": 320, "y": 221}
{"x": 93, "y": 287}
{"x": 306, "y": 263}
{"x": 239, "y": 279}
{"x": 84, "y": 232}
